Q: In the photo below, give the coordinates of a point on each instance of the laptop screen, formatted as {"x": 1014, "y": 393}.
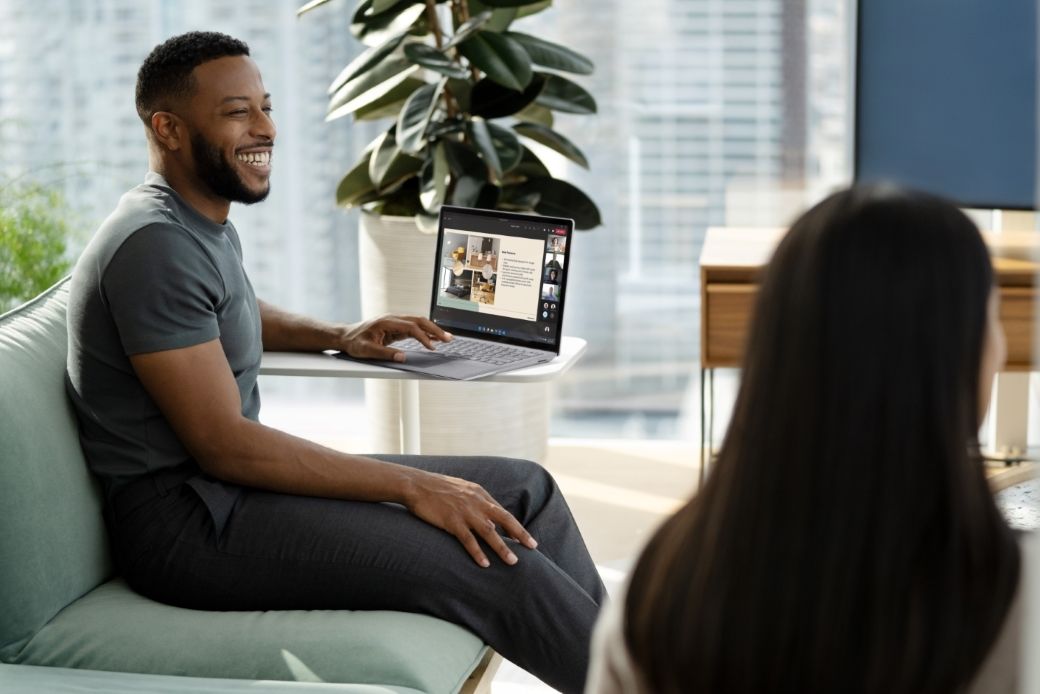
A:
{"x": 501, "y": 276}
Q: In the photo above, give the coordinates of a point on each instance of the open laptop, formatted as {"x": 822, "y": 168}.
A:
{"x": 499, "y": 284}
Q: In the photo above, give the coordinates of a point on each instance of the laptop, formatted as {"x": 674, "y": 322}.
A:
{"x": 499, "y": 284}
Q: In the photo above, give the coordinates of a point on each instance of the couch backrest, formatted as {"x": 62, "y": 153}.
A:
{"x": 53, "y": 546}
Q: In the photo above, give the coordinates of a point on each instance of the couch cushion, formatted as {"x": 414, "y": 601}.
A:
{"x": 113, "y": 628}
{"x": 52, "y": 540}
{"x": 29, "y": 679}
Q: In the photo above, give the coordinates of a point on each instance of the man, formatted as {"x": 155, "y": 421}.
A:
{"x": 208, "y": 508}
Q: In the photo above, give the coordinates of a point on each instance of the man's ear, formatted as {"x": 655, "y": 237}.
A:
{"x": 168, "y": 130}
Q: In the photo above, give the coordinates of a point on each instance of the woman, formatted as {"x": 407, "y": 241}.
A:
{"x": 846, "y": 540}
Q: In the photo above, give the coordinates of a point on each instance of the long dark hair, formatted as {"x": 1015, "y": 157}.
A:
{"x": 846, "y": 539}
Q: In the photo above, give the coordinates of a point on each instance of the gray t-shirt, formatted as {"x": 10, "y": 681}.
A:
{"x": 157, "y": 275}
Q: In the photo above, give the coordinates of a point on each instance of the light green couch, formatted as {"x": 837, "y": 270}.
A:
{"x": 62, "y": 607}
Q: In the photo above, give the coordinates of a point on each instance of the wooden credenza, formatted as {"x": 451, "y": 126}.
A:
{"x": 732, "y": 260}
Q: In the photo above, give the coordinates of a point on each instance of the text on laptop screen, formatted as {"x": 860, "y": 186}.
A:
{"x": 501, "y": 275}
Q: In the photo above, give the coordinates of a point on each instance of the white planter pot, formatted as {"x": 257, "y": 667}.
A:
{"x": 456, "y": 418}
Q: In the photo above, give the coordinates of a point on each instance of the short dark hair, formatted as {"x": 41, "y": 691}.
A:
{"x": 846, "y": 539}
{"x": 165, "y": 74}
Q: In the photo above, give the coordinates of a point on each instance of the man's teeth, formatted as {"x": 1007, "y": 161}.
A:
{"x": 255, "y": 158}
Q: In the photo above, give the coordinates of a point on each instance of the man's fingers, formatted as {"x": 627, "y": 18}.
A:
{"x": 433, "y": 329}
{"x": 373, "y": 350}
{"x": 495, "y": 541}
{"x": 513, "y": 529}
{"x": 421, "y": 335}
{"x": 472, "y": 546}
{"x": 426, "y": 331}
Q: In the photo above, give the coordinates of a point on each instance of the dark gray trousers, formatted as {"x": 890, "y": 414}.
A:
{"x": 279, "y": 551}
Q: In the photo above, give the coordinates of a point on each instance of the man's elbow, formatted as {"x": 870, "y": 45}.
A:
{"x": 220, "y": 448}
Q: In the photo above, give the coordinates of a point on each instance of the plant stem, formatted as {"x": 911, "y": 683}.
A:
{"x": 461, "y": 10}
{"x": 434, "y": 22}
{"x": 435, "y": 26}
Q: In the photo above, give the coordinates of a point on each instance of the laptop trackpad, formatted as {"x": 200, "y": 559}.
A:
{"x": 442, "y": 365}
{"x": 432, "y": 364}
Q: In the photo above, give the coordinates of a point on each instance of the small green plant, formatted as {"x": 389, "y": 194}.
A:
{"x": 463, "y": 102}
{"x": 33, "y": 234}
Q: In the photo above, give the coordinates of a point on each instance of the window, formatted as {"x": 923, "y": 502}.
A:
{"x": 705, "y": 107}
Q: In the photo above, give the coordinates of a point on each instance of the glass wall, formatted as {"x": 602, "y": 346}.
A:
{"x": 711, "y": 113}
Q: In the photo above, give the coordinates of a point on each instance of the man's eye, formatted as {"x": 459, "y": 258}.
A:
{"x": 267, "y": 109}
{"x": 238, "y": 112}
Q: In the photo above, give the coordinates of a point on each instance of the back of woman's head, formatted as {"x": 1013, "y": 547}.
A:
{"x": 845, "y": 539}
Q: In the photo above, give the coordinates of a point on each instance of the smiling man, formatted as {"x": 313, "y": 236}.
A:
{"x": 209, "y": 509}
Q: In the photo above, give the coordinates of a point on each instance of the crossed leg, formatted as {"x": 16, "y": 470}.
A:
{"x": 280, "y": 551}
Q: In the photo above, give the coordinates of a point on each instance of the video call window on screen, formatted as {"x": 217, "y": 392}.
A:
{"x": 552, "y": 274}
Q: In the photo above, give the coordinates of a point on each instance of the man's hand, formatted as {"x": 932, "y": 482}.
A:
{"x": 467, "y": 511}
{"x": 369, "y": 340}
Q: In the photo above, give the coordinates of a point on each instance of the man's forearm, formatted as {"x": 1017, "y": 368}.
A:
{"x": 255, "y": 455}
{"x": 288, "y": 332}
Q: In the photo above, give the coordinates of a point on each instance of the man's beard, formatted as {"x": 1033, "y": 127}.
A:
{"x": 219, "y": 174}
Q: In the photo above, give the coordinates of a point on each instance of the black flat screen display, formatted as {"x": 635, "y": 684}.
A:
{"x": 946, "y": 98}
{"x": 502, "y": 276}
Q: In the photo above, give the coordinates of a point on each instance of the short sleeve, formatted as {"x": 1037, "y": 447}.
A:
{"x": 162, "y": 290}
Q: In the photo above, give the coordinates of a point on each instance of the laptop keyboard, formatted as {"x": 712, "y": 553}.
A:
{"x": 476, "y": 350}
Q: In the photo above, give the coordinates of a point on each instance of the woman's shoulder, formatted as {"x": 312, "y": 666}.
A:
{"x": 611, "y": 670}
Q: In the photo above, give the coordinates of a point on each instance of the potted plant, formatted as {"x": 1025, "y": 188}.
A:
{"x": 464, "y": 92}
{"x": 33, "y": 241}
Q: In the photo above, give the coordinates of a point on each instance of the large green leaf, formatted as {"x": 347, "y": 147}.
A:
{"x": 391, "y": 103}
{"x": 552, "y": 55}
{"x": 460, "y": 91}
{"x": 561, "y": 199}
{"x": 553, "y": 140}
{"x": 502, "y": 59}
{"x": 379, "y": 6}
{"x": 481, "y": 136}
{"x": 415, "y": 116}
{"x": 427, "y": 223}
{"x": 373, "y": 30}
{"x": 466, "y": 191}
{"x": 560, "y": 94}
{"x": 509, "y": 3}
{"x": 389, "y": 166}
{"x": 488, "y": 197}
{"x": 366, "y": 61}
{"x": 530, "y": 166}
{"x": 507, "y": 146}
{"x": 385, "y": 151}
{"x": 491, "y": 100}
{"x": 429, "y": 57}
{"x": 356, "y": 188}
{"x": 472, "y": 192}
{"x": 514, "y": 198}
{"x": 370, "y": 86}
{"x": 439, "y": 128}
{"x": 402, "y": 201}
{"x": 534, "y": 113}
{"x": 463, "y": 161}
{"x": 467, "y": 28}
{"x": 434, "y": 178}
{"x": 500, "y": 19}
{"x": 310, "y": 6}
{"x": 528, "y": 10}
